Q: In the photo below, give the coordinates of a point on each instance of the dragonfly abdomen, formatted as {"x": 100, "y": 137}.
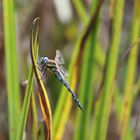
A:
{"x": 74, "y": 96}
{"x": 68, "y": 88}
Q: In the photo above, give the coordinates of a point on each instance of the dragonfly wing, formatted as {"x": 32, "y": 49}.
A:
{"x": 59, "y": 58}
{"x": 63, "y": 71}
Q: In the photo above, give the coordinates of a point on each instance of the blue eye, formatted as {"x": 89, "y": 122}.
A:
{"x": 44, "y": 60}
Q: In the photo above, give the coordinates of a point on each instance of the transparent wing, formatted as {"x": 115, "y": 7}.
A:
{"x": 63, "y": 71}
{"x": 59, "y": 58}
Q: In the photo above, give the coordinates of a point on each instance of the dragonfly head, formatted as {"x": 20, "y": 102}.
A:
{"x": 43, "y": 60}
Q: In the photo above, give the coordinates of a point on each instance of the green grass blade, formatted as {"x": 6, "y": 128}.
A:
{"x": 80, "y": 10}
{"x": 59, "y": 121}
{"x": 41, "y": 135}
{"x": 131, "y": 72}
{"x": 103, "y": 106}
{"x": 136, "y": 90}
{"x": 86, "y": 82}
{"x": 86, "y": 86}
{"x": 35, "y": 119}
{"x": 11, "y": 66}
{"x": 28, "y": 92}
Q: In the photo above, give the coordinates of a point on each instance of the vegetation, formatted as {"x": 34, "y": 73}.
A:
{"x": 103, "y": 66}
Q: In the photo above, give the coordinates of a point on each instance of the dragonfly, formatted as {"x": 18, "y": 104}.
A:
{"x": 55, "y": 66}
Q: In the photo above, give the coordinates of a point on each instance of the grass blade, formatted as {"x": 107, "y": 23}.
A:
{"x": 35, "y": 118}
{"x": 103, "y": 106}
{"x": 60, "y": 120}
{"x": 80, "y": 10}
{"x": 131, "y": 71}
{"x": 43, "y": 98}
{"x": 86, "y": 84}
{"x": 11, "y": 66}
{"x": 28, "y": 92}
{"x": 86, "y": 89}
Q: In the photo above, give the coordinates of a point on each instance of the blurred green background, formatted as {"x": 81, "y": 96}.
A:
{"x": 99, "y": 40}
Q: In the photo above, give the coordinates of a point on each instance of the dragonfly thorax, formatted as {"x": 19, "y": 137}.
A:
{"x": 44, "y": 60}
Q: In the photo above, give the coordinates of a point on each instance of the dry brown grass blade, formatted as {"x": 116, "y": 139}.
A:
{"x": 44, "y": 101}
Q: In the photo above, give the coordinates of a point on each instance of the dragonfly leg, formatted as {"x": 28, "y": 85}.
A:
{"x": 44, "y": 74}
{"x": 39, "y": 68}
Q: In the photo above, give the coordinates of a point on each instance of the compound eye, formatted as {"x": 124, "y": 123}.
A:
{"x": 45, "y": 60}
{"x": 42, "y": 60}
